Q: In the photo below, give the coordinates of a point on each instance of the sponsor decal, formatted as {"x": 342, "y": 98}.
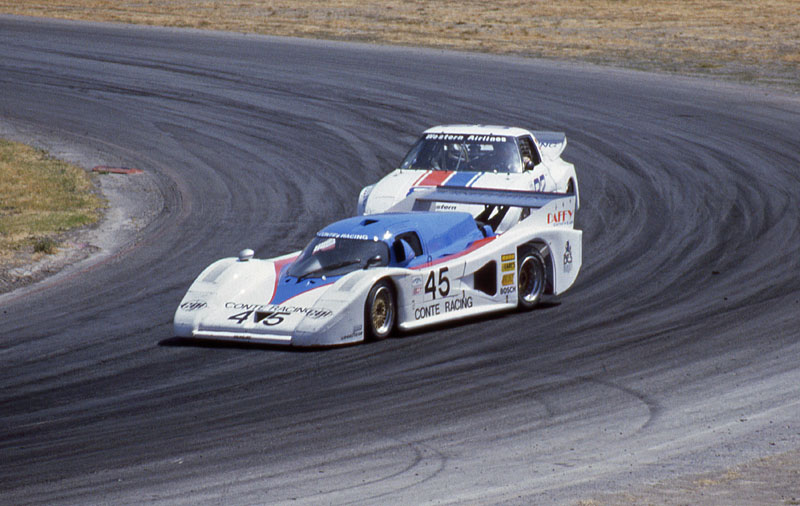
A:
{"x": 445, "y": 137}
{"x": 443, "y": 307}
{"x": 508, "y": 279}
{"x": 487, "y": 138}
{"x": 567, "y": 257}
{"x": 507, "y": 290}
{"x": 357, "y": 333}
{"x": 507, "y": 257}
{"x": 559, "y": 217}
{"x": 194, "y": 305}
{"x": 468, "y": 138}
{"x": 336, "y": 235}
{"x": 416, "y": 284}
{"x": 508, "y": 266}
{"x": 272, "y": 312}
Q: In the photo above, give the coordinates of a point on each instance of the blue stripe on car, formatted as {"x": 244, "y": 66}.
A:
{"x": 289, "y": 287}
{"x": 461, "y": 179}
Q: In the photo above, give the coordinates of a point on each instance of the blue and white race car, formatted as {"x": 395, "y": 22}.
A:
{"x": 477, "y": 156}
{"x": 364, "y": 277}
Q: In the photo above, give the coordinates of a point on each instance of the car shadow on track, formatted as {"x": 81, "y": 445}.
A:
{"x": 235, "y": 345}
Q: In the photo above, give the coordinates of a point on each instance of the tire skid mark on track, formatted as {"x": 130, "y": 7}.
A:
{"x": 643, "y": 370}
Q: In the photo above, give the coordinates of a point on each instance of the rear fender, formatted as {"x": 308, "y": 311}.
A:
{"x": 564, "y": 256}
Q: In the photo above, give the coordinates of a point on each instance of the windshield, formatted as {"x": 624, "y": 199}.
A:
{"x": 335, "y": 256}
{"x": 478, "y": 153}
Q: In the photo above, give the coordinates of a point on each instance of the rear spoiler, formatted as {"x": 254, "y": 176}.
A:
{"x": 425, "y": 198}
{"x": 551, "y": 144}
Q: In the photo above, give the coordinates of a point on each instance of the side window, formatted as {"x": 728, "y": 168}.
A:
{"x": 413, "y": 240}
{"x": 528, "y": 151}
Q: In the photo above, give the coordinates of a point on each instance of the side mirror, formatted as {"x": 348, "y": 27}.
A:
{"x": 376, "y": 260}
{"x": 529, "y": 165}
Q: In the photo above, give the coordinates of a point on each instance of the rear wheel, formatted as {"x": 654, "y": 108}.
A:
{"x": 380, "y": 311}
{"x": 531, "y": 279}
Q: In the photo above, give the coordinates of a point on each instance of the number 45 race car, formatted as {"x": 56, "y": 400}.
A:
{"x": 364, "y": 277}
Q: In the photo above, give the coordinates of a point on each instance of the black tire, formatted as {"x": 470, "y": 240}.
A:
{"x": 380, "y": 311}
{"x": 531, "y": 279}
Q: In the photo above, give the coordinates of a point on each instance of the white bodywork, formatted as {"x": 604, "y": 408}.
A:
{"x": 550, "y": 174}
{"x": 229, "y": 299}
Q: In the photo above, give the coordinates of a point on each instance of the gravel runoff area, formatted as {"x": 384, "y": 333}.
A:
{"x": 133, "y": 202}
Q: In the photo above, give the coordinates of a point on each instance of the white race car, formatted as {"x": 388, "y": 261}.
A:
{"x": 477, "y": 156}
{"x": 363, "y": 277}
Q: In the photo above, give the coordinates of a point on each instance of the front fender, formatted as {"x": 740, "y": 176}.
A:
{"x": 346, "y": 298}
{"x": 223, "y": 280}
{"x": 362, "y": 199}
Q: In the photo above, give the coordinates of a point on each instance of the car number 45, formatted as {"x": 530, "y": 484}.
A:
{"x": 269, "y": 318}
{"x": 443, "y": 285}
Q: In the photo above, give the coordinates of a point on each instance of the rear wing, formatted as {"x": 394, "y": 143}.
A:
{"x": 424, "y": 198}
{"x": 554, "y": 209}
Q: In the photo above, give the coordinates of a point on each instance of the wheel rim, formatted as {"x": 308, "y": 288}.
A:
{"x": 531, "y": 280}
{"x": 382, "y": 311}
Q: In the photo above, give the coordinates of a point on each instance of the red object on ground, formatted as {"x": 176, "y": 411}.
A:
{"x": 105, "y": 169}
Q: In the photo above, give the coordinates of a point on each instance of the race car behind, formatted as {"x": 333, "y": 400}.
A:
{"x": 477, "y": 156}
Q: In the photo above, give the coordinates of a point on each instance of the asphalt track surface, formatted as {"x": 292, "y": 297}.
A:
{"x": 675, "y": 353}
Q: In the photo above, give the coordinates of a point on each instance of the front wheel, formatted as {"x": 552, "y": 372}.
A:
{"x": 531, "y": 279}
{"x": 380, "y": 311}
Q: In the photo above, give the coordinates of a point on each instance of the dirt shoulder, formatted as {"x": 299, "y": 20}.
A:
{"x": 735, "y": 39}
{"x": 133, "y": 202}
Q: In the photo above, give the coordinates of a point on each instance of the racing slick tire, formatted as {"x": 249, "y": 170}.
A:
{"x": 531, "y": 279}
{"x": 380, "y": 311}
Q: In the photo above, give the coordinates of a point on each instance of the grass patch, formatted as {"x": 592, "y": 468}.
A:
{"x": 40, "y": 197}
{"x": 46, "y": 245}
